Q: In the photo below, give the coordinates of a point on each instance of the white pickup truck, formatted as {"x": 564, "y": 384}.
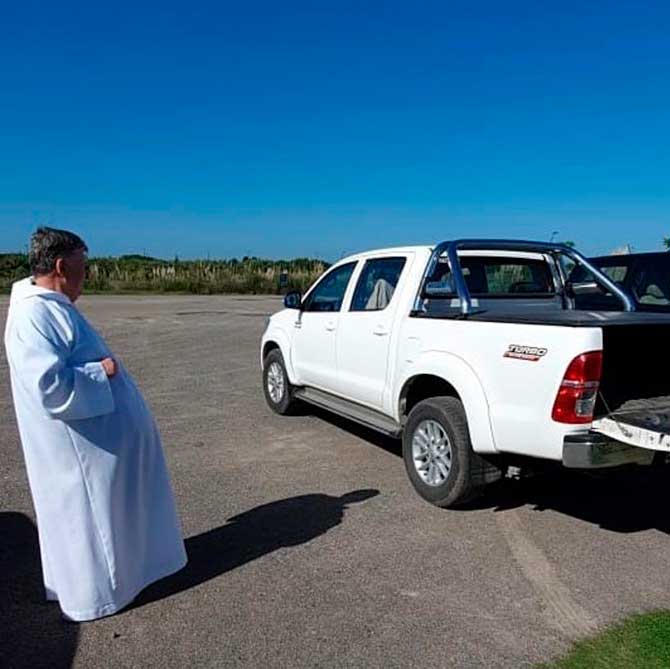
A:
{"x": 474, "y": 353}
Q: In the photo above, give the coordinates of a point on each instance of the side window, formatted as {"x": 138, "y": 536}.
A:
{"x": 616, "y": 273}
{"x": 652, "y": 285}
{"x": 329, "y": 293}
{"x": 377, "y": 284}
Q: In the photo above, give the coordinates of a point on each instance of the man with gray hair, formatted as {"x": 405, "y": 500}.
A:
{"x": 105, "y": 512}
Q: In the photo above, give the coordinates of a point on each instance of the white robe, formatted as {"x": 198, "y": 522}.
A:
{"x": 105, "y": 512}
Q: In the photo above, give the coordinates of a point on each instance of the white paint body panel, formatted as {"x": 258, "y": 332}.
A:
{"x": 313, "y": 349}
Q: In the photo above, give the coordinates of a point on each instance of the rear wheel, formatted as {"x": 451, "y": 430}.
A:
{"x": 438, "y": 454}
{"x": 276, "y": 386}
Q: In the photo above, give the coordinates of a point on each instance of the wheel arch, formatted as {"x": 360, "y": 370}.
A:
{"x": 275, "y": 339}
{"x": 269, "y": 346}
{"x": 443, "y": 374}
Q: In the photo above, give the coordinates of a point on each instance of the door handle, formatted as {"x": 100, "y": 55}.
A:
{"x": 380, "y": 331}
{"x": 330, "y": 326}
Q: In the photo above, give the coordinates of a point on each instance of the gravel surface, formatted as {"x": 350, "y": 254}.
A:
{"x": 307, "y": 545}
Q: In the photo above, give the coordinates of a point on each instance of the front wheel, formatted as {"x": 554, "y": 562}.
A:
{"x": 276, "y": 386}
{"x": 438, "y": 454}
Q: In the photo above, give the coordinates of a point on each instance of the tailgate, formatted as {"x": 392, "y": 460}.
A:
{"x": 643, "y": 423}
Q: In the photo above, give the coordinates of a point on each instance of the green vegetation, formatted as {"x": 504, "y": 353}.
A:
{"x": 204, "y": 277}
{"x": 641, "y": 641}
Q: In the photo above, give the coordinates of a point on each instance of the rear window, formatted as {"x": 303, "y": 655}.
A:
{"x": 497, "y": 277}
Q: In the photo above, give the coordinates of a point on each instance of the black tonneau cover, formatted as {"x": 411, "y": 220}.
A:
{"x": 561, "y": 317}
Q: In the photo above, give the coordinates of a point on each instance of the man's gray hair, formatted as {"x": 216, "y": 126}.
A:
{"x": 49, "y": 244}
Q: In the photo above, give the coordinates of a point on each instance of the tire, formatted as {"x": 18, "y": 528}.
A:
{"x": 277, "y": 389}
{"x": 450, "y": 472}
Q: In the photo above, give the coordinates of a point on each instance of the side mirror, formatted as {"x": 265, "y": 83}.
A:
{"x": 576, "y": 289}
{"x": 293, "y": 300}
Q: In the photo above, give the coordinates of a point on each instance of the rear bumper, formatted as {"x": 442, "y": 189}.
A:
{"x": 595, "y": 451}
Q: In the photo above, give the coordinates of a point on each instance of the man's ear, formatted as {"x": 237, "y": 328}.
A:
{"x": 60, "y": 267}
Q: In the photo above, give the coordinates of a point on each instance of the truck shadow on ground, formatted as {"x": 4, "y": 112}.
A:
{"x": 33, "y": 632}
{"x": 393, "y": 446}
{"x": 253, "y": 534}
{"x": 624, "y": 500}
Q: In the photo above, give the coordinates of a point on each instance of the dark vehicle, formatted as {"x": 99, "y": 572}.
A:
{"x": 646, "y": 277}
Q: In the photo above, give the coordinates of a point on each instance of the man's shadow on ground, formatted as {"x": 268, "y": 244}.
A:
{"x": 32, "y": 631}
{"x": 252, "y": 534}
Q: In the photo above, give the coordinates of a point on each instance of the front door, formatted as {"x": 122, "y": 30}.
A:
{"x": 313, "y": 353}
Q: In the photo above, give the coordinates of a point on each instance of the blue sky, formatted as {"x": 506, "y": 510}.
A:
{"x": 285, "y": 129}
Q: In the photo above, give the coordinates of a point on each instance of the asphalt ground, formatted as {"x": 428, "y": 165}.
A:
{"x": 307, "y": 544}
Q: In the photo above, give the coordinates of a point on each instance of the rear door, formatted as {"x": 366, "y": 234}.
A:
{"x": 365, "y": 329}
{"x": 313, "y": 352}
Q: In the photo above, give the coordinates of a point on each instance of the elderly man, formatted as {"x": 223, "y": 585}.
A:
{"x": 105, "y": 512}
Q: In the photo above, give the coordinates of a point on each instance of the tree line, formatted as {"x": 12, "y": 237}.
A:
{"x": 136, "y": 273}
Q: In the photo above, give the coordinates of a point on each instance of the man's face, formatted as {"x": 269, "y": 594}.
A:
{"x": 72, "y": 270}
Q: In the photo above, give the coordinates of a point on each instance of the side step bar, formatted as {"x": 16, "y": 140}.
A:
{"x": 359, "y": 414}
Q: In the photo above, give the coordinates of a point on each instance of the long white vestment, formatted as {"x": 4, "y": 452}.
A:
{"x": 105, "y": 512}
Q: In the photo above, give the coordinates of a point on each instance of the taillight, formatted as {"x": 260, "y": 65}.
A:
{"x": 576, "y": 399}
